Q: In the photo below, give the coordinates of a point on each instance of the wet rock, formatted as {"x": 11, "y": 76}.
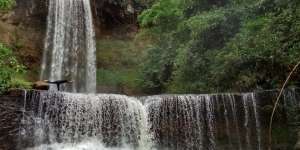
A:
{"x": 10, "y": 115}
{"x": 41, "y": 85}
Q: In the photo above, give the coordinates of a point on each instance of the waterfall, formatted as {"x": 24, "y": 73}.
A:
{"x": 249, "y": 101}
{"x": 247, "y": 121}
{"x": 69, "y": 51}
{"x": 114, "y": 120}
{"x": 59, "y": 120}
{"x": 235, "y": 120}
{"x": 226, "y": 117}
{"x": 210, "y": 122}
{"x": 205, "y": 122}
{"x": 257, "y": 121}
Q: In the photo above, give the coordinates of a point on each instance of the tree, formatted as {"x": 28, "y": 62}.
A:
{"x": 222, "y": 45}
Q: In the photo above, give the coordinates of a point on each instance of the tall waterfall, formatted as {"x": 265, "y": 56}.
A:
{"x": 58, "y": 120}
{"x": 70, "y": 46}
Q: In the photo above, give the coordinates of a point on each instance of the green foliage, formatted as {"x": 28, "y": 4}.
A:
{"x": 213, "y": 46}
{"x": 118, "y": 63}
{"x": 9, "y": 69}
{"x": 261, "y": 54}
{"x": 6, "y": 4}
{"x": 157, "y": 68}
{"x": 161, "y": 13}
{"x": 20, "y": 82}
{"x": 116, "y": 53}
{"x": 194, "y": 7}
{"x": 121, "y": 78}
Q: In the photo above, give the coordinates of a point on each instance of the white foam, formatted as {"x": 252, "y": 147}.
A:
{"x": 91, "y": 144}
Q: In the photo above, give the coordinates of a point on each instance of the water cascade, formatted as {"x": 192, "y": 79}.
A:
{"x": 69, "y": 45}
{"x": 111, "y": 120}
{"x": 205, "y": 122}
{"x": 58, "y": 120}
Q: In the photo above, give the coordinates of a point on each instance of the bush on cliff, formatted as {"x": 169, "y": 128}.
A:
{"x": 10, "y": 70}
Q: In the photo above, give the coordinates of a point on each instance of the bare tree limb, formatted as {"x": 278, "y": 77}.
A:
{"x": 277, "y": 102}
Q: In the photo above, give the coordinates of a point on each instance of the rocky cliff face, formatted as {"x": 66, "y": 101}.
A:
{"x": 112, "y": 14}
{"x": 31, "y": 12}
{"x": 10, "y": 115}
{"x": 23, "y": 30}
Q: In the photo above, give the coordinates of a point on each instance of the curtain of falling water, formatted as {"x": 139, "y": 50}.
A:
{"x": 205, "y": 122}
{"x": 193, "y": 122}
{"x": 70, "y": 46}
{"x": 247, "y": 121}
{"x": 235, "y": 123}
{"x": 110, "y": 120}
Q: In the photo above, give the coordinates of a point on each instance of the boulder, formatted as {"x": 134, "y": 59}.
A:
{"x": 41, "y": 85}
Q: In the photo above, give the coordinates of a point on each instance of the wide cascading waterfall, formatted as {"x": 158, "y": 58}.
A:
{"x": 56, "y": 120}
{"x": 70, "y": 46}
{"x": 59, "y": 120}
{"x": 205, "y": 122}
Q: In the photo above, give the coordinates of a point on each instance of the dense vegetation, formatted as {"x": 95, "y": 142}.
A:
{"x": 219, "y": 45}
{"x": 11, "y": 70}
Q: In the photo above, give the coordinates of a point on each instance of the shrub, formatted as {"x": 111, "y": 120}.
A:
{"x": 10, "y": 68}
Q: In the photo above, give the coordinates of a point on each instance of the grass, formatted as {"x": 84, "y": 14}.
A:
{"x": 118, "y": 63}
{"x": 113, "y": 53}
{"x": 20, "y": 82}
{"x": 128, "y": 78}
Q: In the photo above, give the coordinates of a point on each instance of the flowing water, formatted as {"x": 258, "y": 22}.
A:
{"x": 209, "y": 122}
{"x": 69, "y": 52}
{"x": 113, "y": 120}
{"x": 58, "y": 120}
